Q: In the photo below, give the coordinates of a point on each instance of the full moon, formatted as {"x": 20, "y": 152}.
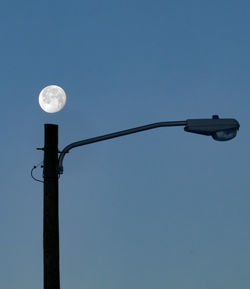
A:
{"x": 52, "y": 98}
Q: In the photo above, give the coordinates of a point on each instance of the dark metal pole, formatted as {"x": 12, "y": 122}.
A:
{"x": 50, "y": 210}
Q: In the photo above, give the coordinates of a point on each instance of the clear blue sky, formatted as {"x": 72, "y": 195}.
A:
{"x": 156, "y": 210}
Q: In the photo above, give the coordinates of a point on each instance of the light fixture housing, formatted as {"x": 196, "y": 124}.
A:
{"x": 221, "y": 129}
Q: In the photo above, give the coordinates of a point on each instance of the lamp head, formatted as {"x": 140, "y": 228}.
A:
{"x": 220, "y": 129}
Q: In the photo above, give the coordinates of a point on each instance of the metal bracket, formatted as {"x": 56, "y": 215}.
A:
{"x": 40, "y": 149}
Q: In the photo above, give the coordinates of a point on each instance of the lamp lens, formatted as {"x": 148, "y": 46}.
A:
{"x": 224, "y": 134}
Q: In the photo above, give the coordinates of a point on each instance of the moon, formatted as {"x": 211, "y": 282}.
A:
{"x": 52, "y": 98}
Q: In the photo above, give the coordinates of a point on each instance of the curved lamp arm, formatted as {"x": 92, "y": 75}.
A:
{"x": 221, "y": 129}
{"x": 113, "y": 135}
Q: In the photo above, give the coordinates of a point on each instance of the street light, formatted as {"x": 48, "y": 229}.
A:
{"x": 219, "y": 129}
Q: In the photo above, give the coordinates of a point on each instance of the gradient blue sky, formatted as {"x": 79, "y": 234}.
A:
{"x": 161, "y": 209}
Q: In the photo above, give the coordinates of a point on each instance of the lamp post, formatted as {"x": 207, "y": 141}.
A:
{"x": 219, "y": 129}
{"x": 50, "y": 209}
